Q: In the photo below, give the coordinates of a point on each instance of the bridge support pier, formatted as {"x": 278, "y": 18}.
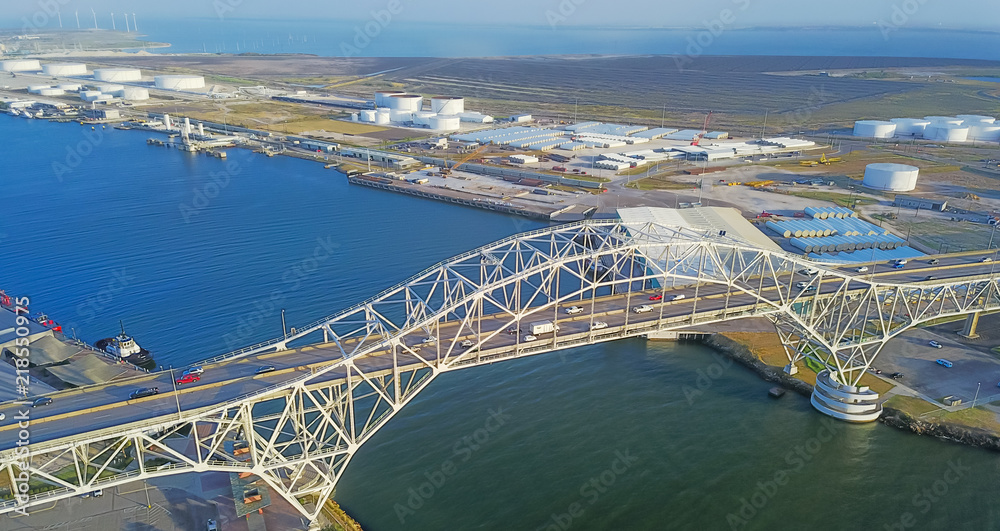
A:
{"x": 971, "y": 324}
{"x": 844, "y": 402}
{"x": 791, "y": 369}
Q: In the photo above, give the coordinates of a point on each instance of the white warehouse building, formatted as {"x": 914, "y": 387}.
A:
{"x": 891, "y": 177}
{"x": 118, "y": 75}
{"x": 874, "y": 129}
{"x": 179, "y": 82}
{"x": 64, "y": 69}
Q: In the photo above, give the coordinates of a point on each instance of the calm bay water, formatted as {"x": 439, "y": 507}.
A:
{"x": 629, "y": 435}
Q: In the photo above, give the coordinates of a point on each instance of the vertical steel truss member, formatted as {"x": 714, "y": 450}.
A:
{"x": 299, "y": 435}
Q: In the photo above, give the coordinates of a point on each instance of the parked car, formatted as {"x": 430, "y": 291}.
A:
{"x": 598, "y": 325}
{"x": 945, "y": 363}
{"x": 144, "y": 392}
{"x": 642, "y": 309}
{"x": 935, "y": 344}
{"x": 656, "y": 297}
{"x": 863, "y": 269}
{"x": 198, "y": 369}
{"x": 41, "y": 401}
{"x": 574, "y": 310}
{"x": 264, "y": 369}
{"x": 530, "y": 337}
{"x": 187, "y": 378}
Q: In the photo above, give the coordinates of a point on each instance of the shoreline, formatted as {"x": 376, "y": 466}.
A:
{"x": 892, "y": 417}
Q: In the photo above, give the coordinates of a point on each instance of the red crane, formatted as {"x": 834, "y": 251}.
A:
{"x": 704, "y": 130}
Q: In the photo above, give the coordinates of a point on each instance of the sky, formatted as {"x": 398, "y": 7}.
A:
{"x": 951, "y": 14}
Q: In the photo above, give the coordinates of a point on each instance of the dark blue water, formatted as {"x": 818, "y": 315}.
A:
{"x": 987, "y": 79}
{"x": 627, "y": 435}
{"x": 400, "y": 38}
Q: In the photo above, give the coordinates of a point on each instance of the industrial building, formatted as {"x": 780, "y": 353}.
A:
{"x": 521, "y": 118}
{"x": 179, "y": 82}
{"x": 891, "y": 177}
{"x": 392, "y": 160}
{"x": 920, "y": 203}
{"x": 523, "y": 159}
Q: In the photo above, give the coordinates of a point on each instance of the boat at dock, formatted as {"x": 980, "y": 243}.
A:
{"x": 125, "y": 348}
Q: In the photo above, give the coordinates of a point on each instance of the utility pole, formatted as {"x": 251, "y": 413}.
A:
{"x": 284, "y": 333}
{"x": 176, "y": 397}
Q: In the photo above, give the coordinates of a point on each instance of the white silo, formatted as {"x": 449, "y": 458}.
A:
{"x": 20, "y": 65}
{"x": 354, "y": 117}
{"x": 448, "y": 105}
{"x": 382, "y": 97}
{"x": 891, "y": 177}
{"x": 201, "y": 129}
{"x": 874, "y": 129}
{"x": 445, "y": 122}
{"x": 367, "y": 116}
{"x": 179, "y": 82}
{"x": 166, "y": 122}
{"x": 64, "y": 69}
{"x": 382, "y": 118}
{"x": 406, "y": 102}
{"x": 133, "y": 94}
{"x": 910, "y": 126}
{"x": 118, "y": 75}
{"x": 984, "y": 133}
{"x": 50, "y": 91}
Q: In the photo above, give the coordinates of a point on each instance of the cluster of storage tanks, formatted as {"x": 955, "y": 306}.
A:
{"x": 834, "y": 229}
{"x": 961, "y": 128}
{"x": 400, "y": 107}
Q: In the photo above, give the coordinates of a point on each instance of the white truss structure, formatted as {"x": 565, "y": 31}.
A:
{"x": 300, "y": 435}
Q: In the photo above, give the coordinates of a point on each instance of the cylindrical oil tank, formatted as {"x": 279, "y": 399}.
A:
{"x": 64, "y": 69}
{"x": 69, "y": 86}
{"x": 406, "y": 102}
{"x": 874, "y": 129}
{"x": 20, "y": 65}
{"x": 179, "y": 82}
{"x": 133, "y": 94}
{"x": 35, "y": 88}
{"x": 381, "y": 118}
{"x": 891, "y": 177}
{"x": 117, "y": 75}
{"x": 382, "y": 97}
{"x": 423, "y": 117}
{"x": 448, "y": 105}
{"x": 90, "y": 95}
{"x": 952, "y": 133}
{"x": 944, "y": 120}
{"x": 367, "y": 116}
{"x": 910, "y": 126}
{"x": 974, "y": 119}
{"x": 984, "y": 133}
{"x": 108, "y": 88}
{"x": 51, "y": 91}
{"x": 354, "y": 117}
{"x": 400, "y": 116}
{"x": 445, "y": 122}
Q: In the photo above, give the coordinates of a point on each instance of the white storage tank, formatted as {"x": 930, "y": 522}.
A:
{"x": 937, "y": 120}
{"x": 448, "y": 105}
{"x": 133, "y": 94}
{"x": 910, "y": 126}
{"x": 891, "y": 177}
{"x": 50, "y": 91}
{"x": 109, "y": 88}
{"x": 406, "y": 102}
{"x": 984, "y": 133}
{"x": 118, "y": 75}
{"x": 400, "y": 116}
{"x": 951, "y": 132}
{"x": 367, "y": 116}
{"x": 20, "y": 65}
{"x": 382, "y": 97}
{"x": 69, "y": 86}
{"x": 64, "y": 69}
{"x": 90, "y": 95}
{"x": 34, "y": 89}
{"x": 382, "y": 118}
{"x": 179, "y": 82}
{"x": 874, "y": 129}
{"x": 976, "y": 119}
{"x": 445, "y": 122}
{"x": 423, "y": 117}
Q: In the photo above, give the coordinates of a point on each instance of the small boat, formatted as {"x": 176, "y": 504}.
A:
{"x": 124, "y": 347}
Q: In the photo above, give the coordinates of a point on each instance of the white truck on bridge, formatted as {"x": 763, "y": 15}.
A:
{"x": 542, "y": 327}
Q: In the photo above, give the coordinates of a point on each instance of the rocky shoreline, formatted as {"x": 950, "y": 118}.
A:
{"x": 890, "y": 416}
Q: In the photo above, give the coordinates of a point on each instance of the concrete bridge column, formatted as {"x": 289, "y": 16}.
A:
{"x": 971, "y": 323}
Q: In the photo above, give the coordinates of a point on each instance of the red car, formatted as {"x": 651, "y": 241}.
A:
{"x": 656, "y": 297}
{"x": 187, "y": 378}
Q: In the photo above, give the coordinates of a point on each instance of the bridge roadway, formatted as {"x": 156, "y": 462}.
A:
{"x": 93, "y": 408}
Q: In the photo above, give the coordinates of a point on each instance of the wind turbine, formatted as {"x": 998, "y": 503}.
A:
{"x": 126, "y": 23}
{"x": 92, "y": 12}
{"x": 59, "y": 15}
{"x": 77, "y": 19}
{"x": 135, "y": 25}
{"x": 113, "y": 28}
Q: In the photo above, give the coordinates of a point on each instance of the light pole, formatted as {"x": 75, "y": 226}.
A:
{"x": 145, "y": 488}
{"x": 993, "y": 233}
{"x": 978, "y": 385}
{"x": 176, "y": 398}
{"x": 284, "y": 334}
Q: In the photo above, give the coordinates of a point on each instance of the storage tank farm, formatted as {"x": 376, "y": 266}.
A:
{"x": 957, "y": 129}
{"x": 891, "y": 177}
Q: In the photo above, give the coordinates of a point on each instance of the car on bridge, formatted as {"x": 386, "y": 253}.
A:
{"x": 934, "y": 261}
{"x": 144, "y": 392}
{"x": 986, "y": 260}
{"x": 935, "y": 344}
{"x": 809, "y": 271}
{"x": 656, "y": 297}
{"x": 574, "y": 310}
{"x": 197, "y": 369}
{"x": 678, "y": 297}
{"x": 41, "y": 401}
{"x": 645, "y": 308}
{"x": 598, "y": 325}
{"x": 944, "y": 363}
{"x": 802, "y": 285}
{"x": 862, "y": 269}
{"x": 467, "y": 343}
{"x": 187, "y": 378}
{"x": 530, "y": 337}
{"x": 899, "y": 265}
{"x": 264, "y": 369}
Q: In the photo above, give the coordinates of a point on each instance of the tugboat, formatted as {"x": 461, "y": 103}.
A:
{"x": 125, "y": 348}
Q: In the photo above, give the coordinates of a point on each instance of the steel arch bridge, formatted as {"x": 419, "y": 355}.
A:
{"x": 300, "y": 434}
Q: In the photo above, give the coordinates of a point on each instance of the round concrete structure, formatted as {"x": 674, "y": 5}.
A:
{"x": 445, "y": 122}
{"x": 382, "y": 118}
{"x": 844, "y": 402}
{"x": 874, "y": 129}
{"x": 118, "y": 75}
{"x": 448, "y": 105}
{"x": 910, "y": 126}
{"x": 891, "y": 177}
{"x": 179, "y": 82}
{"x": 400, "y": 116}
{"x": 64, "y": 69}
{"x": 90, "y": 95}
{"x": 20, "y": 65}
{"x": 406, "y": 102}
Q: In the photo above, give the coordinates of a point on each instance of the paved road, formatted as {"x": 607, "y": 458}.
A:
{"x": 104, "y": 406}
